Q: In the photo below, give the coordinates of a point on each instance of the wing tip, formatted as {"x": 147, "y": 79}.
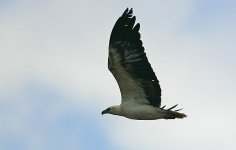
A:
{"x": 128, "y": 12}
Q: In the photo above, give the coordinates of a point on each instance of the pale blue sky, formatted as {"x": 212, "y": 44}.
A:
{"x": 54, "y": 80}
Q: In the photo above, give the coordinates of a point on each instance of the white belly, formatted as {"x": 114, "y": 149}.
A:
{"x": 141, "y": 112}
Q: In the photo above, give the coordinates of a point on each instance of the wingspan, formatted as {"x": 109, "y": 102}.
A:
{"x": 129, "y": 65}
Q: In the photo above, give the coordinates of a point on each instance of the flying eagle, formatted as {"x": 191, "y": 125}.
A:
{"x": 139, "y": 86}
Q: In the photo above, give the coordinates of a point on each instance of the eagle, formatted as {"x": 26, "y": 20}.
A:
{"x": 138, "y": 84}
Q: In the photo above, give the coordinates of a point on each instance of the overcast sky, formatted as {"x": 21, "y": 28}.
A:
{"x": 54, "y": 80}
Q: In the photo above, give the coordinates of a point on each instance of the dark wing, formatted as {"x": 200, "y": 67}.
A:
{"x": 129, "y": 65}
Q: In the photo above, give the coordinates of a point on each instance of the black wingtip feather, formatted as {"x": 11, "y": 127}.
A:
{"x": 136, "y": 28}
{"x": 131, "y": 12}
{"x": 131, "y": 23}
{"x": 128, "y": 12}
{"x": 123, "y": 26}
{"x": 125, "y": 12}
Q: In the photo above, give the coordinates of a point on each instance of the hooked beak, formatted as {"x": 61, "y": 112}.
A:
{"x": 104, "y": 112}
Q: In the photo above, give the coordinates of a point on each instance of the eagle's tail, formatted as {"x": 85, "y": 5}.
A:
{"x": 169, "y": 114}
{"x": 173, "y": 115}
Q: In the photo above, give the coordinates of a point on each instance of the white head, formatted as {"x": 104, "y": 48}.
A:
{"x": 115, "y": 110}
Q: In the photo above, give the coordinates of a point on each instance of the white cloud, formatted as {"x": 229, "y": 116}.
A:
{"x": 63, "y": 45}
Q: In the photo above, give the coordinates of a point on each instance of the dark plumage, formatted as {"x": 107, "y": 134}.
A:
{"x": 125, "y": 38}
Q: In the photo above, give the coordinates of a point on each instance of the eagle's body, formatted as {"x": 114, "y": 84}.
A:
{"x": 139, "y": 86}
{"x": 132, "y": 110}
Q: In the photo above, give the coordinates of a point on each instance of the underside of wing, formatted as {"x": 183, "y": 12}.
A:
{"x": 129, "y": 65}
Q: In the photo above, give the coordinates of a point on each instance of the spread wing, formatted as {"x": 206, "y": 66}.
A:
{"x": 129, "y": 65}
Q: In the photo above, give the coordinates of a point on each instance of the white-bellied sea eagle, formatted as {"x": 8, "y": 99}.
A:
{"x": 139, "y": 86}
